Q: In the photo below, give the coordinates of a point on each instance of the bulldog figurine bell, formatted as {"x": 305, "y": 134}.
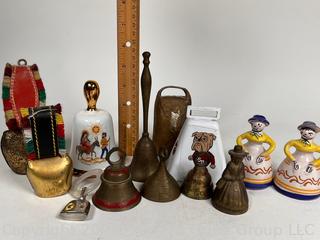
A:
{"x": 92, "y": 133}
{"x": 199, "y": 143}
{"x": 198, "y": 183}
{"x": 116, "y": 192}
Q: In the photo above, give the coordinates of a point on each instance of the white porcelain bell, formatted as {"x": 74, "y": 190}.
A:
{"x": 199, "y": 138}
{"x": 92, "y": 133}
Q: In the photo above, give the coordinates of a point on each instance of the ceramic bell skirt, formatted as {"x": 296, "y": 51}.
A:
{"x": 258, "y": 174}
{"x": 300, "y": 181}
{"x": 178, "y": 163}
{"x": 92, "y": 138}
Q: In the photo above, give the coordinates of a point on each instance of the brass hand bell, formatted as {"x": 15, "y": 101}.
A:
{"x": 144, "y": 162}
{"x": 161, "y": 186}
{"x": 116, "y": 192}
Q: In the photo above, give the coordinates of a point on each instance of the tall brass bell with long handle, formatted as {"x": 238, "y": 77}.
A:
{"x": 144, "y": 162}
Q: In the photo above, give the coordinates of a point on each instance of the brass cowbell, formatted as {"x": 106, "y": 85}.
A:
{"x": 116, "y": 192}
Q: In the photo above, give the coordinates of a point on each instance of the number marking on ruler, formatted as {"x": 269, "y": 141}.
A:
{"x": 128, "y": 12}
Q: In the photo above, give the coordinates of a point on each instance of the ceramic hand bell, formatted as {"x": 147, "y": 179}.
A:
{"x": 92, "y": 133}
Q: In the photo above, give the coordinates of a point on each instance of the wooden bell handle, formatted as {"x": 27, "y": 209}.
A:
{"x": 145, "y": 90}
{"x": 91, "y": 91}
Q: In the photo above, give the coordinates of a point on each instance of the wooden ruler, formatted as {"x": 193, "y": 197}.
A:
{"x": 128, "y": 15}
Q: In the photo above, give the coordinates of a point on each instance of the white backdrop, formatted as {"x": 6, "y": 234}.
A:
{"x": 245, "y": 56}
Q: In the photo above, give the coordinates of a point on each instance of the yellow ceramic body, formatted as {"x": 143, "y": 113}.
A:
{"x": 50, "y": 177}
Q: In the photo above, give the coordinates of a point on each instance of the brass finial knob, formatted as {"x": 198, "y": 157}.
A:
{"x": 91, "y": 91}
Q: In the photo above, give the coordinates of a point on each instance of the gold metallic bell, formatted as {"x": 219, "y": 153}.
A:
{"x": 12, "y": 147}
{"x": 116, "y": 192}
{"x": 161, "y": 186}
{"x": 50, "y": 177}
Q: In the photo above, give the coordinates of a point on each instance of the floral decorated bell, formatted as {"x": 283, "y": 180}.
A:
{"x": 92, "y": 133}
{"x": 257, "y": 163}
{"x": 199, "y": 143}
{"x": 298, "y": 176}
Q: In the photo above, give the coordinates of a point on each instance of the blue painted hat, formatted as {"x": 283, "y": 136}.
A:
{"x": 259, "y": 118}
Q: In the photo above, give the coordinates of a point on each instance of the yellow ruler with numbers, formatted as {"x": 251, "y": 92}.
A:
{"x": 128, "y": 16}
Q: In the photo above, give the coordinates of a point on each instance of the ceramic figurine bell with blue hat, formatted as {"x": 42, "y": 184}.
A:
{"x": 298, "y": 176}
{"x": 257, "y": 164}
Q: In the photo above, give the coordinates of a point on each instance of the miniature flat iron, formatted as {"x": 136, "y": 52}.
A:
{"x": 76, "y": 210}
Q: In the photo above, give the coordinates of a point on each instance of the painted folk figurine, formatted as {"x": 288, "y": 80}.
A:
{"x": 198, "y": 184}
{"x": 298, "y": 176}
{"x": 230, "y": 195}
{"x": 257, "y": 164}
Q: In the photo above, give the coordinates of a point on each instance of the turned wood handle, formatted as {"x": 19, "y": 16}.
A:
{"x": 91, "y": 91}
{"x": 145, "y": 89}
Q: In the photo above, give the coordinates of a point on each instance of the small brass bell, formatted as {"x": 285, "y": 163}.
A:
{"x": 230, "y": 195}
{"x": 116, "y": 192}
{"x": 161, "y": 186}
